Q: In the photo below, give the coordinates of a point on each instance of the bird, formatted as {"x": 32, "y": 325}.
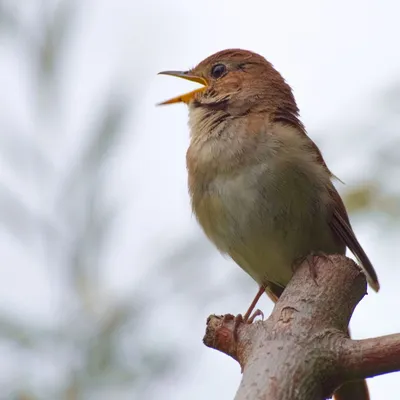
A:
{"x": 259, "y": 186}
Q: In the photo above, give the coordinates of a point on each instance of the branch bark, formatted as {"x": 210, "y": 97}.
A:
{"x": 302, "y": 351}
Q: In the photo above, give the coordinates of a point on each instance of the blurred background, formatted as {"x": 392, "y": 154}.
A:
{"x": 105, "y": 278}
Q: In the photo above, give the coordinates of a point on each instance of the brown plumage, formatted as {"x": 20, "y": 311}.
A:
{"x": 259, "y": 185}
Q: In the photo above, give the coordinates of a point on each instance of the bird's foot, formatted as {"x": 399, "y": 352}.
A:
{"x": 239, "y": 319}
{"x": 312, "y": 260}
{"x": 256, "y": 313}
{"x": 248, "y": 317}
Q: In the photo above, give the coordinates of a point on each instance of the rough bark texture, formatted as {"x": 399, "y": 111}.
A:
{"x": 302, "y": 350}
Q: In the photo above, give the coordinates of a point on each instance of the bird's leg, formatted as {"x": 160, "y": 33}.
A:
{"x": 249, "y": 316}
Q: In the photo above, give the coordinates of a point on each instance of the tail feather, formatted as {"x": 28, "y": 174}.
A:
{"x": 356, "y": 390}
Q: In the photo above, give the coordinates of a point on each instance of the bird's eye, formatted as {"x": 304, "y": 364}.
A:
{"x": 218, "y": 70}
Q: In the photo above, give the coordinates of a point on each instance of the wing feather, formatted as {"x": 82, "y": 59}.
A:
{"x": 340, "y": 225}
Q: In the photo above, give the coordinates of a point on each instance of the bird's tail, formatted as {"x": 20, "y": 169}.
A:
{"x": 356, "y": 390}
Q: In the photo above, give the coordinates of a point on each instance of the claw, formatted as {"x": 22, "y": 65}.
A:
{"x": 311, "y": 265}
{"x": 250, "y": 316}
{"x": 238, "y": 319}
{"x": 257, "y": 313}
{"x": 312, "y": 260}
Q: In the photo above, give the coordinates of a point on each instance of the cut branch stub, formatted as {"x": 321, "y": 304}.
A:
{"x": 296, "y": 352}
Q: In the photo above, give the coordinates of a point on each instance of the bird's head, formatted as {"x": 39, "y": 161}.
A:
{"x": 237, "y": 82}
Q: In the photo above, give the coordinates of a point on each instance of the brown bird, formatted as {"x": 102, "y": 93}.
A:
{"x": 259, "y": 185}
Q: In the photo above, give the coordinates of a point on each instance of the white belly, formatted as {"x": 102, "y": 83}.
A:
{"x": 265, "y": 221}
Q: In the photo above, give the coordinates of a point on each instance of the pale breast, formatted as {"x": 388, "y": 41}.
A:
{"x": 265, "y": 222}
{"x": 268, "y": 213}
{"x": 228, "y": 206}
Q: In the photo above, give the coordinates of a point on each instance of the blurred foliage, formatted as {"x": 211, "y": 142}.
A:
{"x": 378, "y": 195}
{"x": 370, "y": 197}
{"x": 89, "y": 344}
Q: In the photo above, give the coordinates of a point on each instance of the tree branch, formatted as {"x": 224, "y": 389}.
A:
{"x": 302, "y": 351}
{"x": 371, "y": 357}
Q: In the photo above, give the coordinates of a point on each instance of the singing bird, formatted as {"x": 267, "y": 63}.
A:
{"x": 259, "y": 186}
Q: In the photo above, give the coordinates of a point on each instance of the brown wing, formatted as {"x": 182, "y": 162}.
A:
{"x": 285, "y": 117}
{"x": 340, "y": 224}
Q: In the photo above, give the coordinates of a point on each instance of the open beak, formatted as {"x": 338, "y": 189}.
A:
{"x": 184, "y": 98}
